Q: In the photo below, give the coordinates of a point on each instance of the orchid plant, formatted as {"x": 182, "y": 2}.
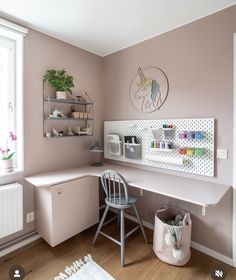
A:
{"x": 6, "y": 151}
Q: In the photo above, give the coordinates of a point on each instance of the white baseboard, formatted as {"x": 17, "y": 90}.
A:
{"x": 19, "y": 244}
{"x": 194, "y": 245}
{"x": 212, "y": 253}
{"x": 134, "y": 219}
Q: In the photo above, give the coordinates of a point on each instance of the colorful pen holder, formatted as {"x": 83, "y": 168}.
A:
{"x": 190, "y": 135}
{"x": 192, "y": 151}
{"x": 199, "y": 135}
{"x": 199, "y": 152}
{"x": 182, "y": 135}
{"x": 189, "y": 152}
{"x": 182, "y": 151}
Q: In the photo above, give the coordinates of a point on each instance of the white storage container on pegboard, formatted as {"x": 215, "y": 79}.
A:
{"x": 172, "y": 235}
{"x": 114, "y": 144}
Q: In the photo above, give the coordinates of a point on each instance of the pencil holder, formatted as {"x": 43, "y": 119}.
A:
{"x": 199, "y": 135}
{"x": 199, "y": 152}
{"x": 182, "y": 135}
{"x": 190, "y": 152}
{"x": 190, "y": 135}
{"x": 182, "y": 151}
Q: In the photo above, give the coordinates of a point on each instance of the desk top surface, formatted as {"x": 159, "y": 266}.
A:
{"x": 190, "y": 190}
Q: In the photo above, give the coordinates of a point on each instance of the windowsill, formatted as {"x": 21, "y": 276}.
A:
{"x": 16, "y": 171}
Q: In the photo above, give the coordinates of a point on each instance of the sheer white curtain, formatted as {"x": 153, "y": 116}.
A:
{"x": 11, "y": 87}
{"x": 7, "y": 90}
{"x": 3, "y": 91}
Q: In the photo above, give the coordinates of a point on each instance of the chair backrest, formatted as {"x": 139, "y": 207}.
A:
{"x": 115, "y": 187}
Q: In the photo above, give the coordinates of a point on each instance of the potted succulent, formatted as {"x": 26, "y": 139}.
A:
{"x": 60, "y": 81}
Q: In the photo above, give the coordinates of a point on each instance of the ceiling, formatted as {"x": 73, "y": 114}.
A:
{"x": 106, "y": 26}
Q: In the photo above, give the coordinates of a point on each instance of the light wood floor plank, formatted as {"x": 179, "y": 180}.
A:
{"x": 43, "y": 262}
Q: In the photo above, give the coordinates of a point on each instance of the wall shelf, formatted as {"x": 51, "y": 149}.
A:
{"x": 81, "y": 134}
{"x": 162, "y": 150}
{"x": 66, "y": 101}
{"x": 67, "y": 123}
{"x": 67, "y": 119}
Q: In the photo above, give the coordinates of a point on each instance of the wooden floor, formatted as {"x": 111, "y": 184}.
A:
{"x": 41, "y": 262}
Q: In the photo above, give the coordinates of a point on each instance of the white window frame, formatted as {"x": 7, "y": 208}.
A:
{"x": 16, "y": 33}
{"x": 234, "y": 161}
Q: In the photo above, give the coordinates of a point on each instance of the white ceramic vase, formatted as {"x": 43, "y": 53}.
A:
{"x": 7, "y": 165}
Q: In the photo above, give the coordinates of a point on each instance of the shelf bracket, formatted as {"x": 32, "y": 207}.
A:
{"x": 204, "y": 210}
{"x": 141, "y": 192}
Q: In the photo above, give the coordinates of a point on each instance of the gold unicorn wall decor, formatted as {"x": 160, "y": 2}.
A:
{"x": 149, "y": 89}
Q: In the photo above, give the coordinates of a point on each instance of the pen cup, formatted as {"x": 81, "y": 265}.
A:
{"x": 199, "y": 135}
{"x": 190, "y": 152}
{"x": 199, "y": 152}
{"x": 190, "y": 135}
{"x": 182, "y": 151}
{"x": 182, "y": 135}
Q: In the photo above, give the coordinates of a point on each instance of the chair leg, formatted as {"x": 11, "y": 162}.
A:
{"x": 100, "y": 224}
{"x": 140, "y": 223}
{"x": 118, "y": 220}
{"x": 122, "y": 238}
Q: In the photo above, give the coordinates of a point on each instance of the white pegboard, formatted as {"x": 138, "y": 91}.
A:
{"x": 203, "y": 165}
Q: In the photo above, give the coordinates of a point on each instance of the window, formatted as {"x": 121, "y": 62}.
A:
{"x": 11, "y": 88}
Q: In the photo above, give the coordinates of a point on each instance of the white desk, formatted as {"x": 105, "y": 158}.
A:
{"x": 190, "y": 190}
{"x": 67, "y": 202}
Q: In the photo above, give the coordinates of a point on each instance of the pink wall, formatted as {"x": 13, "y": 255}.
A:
{"x": 41, "y": 154}
{"x": 198, "y": 61}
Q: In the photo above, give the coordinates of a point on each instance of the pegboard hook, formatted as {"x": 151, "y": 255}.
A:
{"x": 134, "y": 126}
{"x": 144, "y": 128}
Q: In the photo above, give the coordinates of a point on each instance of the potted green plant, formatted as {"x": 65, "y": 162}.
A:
{"x": 60, "y": 81}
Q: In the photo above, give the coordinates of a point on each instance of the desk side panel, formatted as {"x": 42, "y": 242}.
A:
{"x": 43, "y": 210}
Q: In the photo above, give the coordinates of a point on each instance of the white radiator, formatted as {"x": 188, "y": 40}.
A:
{"x": 11, "y": 209}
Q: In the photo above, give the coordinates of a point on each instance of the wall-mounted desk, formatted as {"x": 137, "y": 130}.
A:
{"x": 77, "y": 189}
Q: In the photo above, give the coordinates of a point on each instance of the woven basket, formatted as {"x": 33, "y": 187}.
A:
{"x": 165, "y": 251}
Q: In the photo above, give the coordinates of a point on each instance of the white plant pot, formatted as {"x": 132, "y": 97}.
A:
{"x": 61, "y": 94}
{"x": 7, "y": 165}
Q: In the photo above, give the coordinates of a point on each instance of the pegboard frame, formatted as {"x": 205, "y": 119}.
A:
{"x": 203, "y": 165}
